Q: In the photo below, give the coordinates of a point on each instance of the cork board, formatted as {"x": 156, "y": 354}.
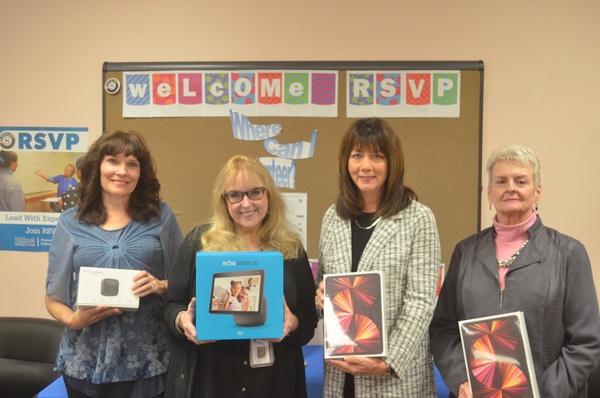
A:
{"x": 443, "y": 155}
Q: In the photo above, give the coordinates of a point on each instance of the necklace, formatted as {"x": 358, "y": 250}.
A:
{"x": 370, "y": 226}
{"x": 508, "y": 263}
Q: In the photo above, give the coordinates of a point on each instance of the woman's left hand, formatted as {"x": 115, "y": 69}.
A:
{"x": 145, "y": 284}
{"x": 360, "y": 366}
{"x": 290, "y": 322}
{"x": 320, "y": 295}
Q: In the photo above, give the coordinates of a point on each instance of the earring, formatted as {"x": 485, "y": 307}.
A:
{"x": 536, "y": 206}
{"x": 490, "y": 205}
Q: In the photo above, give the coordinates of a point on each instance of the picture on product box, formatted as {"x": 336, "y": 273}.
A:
{"x": 232, "y": 293}
{"x": 239, "y": 291}
{"x": 353, "y": 314}
{"x": 109, "y": 287}
{"x": 498, "y": 356}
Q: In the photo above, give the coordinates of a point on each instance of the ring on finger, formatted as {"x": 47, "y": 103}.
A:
{"x": 151, "y": 286}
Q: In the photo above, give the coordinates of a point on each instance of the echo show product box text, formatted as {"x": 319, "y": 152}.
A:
{"x": 107, "y": 286}
{"x": 239, "y": 295}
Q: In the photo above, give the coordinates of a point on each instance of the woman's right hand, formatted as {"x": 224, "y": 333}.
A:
{"x": 186, "y": 324}
{"x": 83, "y": 317}
{"x": 320, "y": 294}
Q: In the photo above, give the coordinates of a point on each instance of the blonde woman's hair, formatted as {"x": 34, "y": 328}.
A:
{"x": 275, "y": 233}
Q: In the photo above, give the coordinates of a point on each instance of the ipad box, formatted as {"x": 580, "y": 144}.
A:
{"x": 498, "y": 356}
{"x": 239, "y": 295}
{"x": 107, "y": 286}
{"x": 354, "y": 315}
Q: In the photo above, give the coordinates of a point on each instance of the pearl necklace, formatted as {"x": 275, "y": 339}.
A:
{"x": 370, "y": 226}
{"x": 508, "y": 263}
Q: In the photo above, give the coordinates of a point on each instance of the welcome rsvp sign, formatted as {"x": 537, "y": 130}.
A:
{"x": 214, "y": 93}
{"x": 291, "y": 93}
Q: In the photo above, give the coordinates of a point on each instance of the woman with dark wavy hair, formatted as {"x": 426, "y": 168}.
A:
{"x": 143, "y": 202}
{"x": 119, "y": 223}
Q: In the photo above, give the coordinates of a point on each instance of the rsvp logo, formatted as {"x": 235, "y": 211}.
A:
{"x": 7, "y": 140}
{"x": 45, "y": 139}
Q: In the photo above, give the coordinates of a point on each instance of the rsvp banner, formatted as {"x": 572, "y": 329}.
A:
{"x": 50, "y": 150}
{"x": 403, "y": 94}
{"x": 215, "y": 93}
{"x": 290, "y": 93}
{"x": 30, "y": 232}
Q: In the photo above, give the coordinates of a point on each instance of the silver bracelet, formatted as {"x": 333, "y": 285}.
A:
{"x": 179, "y": 329}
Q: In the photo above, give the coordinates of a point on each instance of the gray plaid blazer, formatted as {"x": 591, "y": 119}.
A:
{"x": 406, "y": 248}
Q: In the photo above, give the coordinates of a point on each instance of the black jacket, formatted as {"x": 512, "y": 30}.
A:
{"x": 551, "y": 281}
{"x": 221, "y": 369}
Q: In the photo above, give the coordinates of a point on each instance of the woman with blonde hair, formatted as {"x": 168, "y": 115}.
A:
{"x": 249, "y": 215}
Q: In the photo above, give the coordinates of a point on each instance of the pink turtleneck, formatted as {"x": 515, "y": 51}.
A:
{"x": 508, "y": 239}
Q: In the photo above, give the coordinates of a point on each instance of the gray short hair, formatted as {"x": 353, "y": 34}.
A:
{"x": 521, "y": 154}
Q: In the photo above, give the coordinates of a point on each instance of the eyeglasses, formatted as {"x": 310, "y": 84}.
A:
{"x": 235, "y": 197}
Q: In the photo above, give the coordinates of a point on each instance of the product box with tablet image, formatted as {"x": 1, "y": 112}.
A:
{"x": 239, "y": 295}
{"x": 498, "y": 356}
{"x": 107, "y": 286}
{"x": 353, "y": 315}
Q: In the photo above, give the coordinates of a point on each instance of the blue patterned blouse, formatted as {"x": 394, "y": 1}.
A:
{"x": 130, "y": 346}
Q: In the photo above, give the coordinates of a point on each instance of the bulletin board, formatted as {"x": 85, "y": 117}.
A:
{"x": 442, "y": 155}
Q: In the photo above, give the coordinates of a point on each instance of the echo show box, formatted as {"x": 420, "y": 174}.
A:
{"x": 107, "y": 286}
{"x": 239, "y": 295}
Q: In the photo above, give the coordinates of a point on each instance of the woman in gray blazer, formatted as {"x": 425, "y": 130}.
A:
{"x": 378, "y": 224}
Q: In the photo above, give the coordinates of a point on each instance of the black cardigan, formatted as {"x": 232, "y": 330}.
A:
{"x": 221, "y": 369}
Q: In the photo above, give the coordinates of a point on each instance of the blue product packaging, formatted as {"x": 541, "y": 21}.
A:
{"x": 239, "y": 295}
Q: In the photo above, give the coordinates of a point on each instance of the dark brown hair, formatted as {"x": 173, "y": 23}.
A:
{"x": 145, "y": 199}
{"x": 372, "y": 134}
{"x": 7, "y": 158}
